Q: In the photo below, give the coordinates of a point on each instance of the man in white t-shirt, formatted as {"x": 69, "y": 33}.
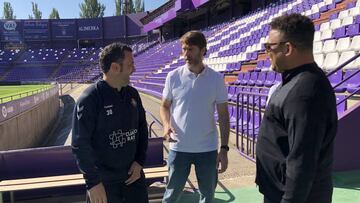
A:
{"x": 191, "y": 94}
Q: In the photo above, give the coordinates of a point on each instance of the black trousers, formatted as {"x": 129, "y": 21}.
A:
{"x": 121, "y": 193}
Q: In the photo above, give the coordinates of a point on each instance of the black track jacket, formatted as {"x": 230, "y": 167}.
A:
{"x": 296, "y": 140}
{"x": 109, "y": 133}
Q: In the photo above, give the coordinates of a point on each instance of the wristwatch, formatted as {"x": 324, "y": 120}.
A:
{"x": 225, "y": 147}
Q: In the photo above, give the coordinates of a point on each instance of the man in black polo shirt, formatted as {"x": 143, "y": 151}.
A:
{"x": 109, "y": 136}
{"x": 296, "y": 139}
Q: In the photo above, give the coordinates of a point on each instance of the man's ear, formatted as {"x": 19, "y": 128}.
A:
{"x": 115, "y": 67}
{"x": 289, "y": 49}
{"x": 203, "y": 51}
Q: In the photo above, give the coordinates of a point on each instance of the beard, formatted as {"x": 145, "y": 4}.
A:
{"x": 193, "y": 61}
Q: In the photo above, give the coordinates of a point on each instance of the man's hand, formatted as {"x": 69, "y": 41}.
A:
{"x": 222, "y": 160}
{"x": 134, "y": 172}
{"x": 168, "y": 131}
{"x": 97, "y": 194}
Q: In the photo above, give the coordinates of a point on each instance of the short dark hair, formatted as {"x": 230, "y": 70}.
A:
{"x": 296, "y": 28}
{"x": 194, "y": 38}
{"x": 112, "y": 53}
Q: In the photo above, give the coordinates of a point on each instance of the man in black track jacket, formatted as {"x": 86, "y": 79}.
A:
{"x": 296, "y": 139}
{"x": 109, "y": 136}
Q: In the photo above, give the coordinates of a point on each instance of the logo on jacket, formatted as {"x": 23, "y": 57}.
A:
{"x": 108, "y": 109}
{"x": 119, "y": 138}
{"x": 133, "y": 102}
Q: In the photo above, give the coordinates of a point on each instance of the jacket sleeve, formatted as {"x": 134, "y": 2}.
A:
{"x": 84, "y": 122}
{"x": 305, "y": 119}
{"x": 140, "y": 156}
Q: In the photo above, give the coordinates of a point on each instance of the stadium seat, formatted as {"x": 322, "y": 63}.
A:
{"x": 329, "y": 46}
{"x": 261, "y": 79}
{"x": 335, "y": 24}
{"x": 317, "y": 36}
{"x": 347, "y": 21}
{"x": 355, "y": 43}
{"x": 343, "y": 44}
{"x": 353, "y": 30}
{"x": 345, "y": 56}
{"x": 319, "y": 59}
{"x": 326, "y": 34}
{"x": 340, "y": 32}
{"x": 343, "y": 14}
{"x": 335, "y": 79}
{"x": 353, "y": 83}
{"x": 317, "y": 47}
{"x": 331, "y": 60}
{"x": 354, "y": 11}
{"x": 324, "y": 26}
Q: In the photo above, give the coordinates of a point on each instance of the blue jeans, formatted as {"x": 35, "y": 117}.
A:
{"x": 179, "y": 168}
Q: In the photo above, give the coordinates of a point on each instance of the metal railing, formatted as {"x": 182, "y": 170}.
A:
{"x": 345, "y": 79}
{"x": 155, "y": 121}
{"x": 249, "y": 109}
{"x": 23, "y": 94}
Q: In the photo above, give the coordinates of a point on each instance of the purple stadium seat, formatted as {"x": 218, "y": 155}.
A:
{"x": 331, "y": 6}
{"x": 278, "y": 78}
{"x": 246, "y": 78}
{"x": 270, "y": 79}
{"x": 260, "y": 65}
{"x": 231, "y": 91}
{"x": 323, "y": 9}
{"x": 267, "y": 63}
{"x": 253, "y": 78}
{"x": 357, "y": 19}
{"x": 352, "y": 84}
{"x": 350, "y": 5}
{"x": 333, "y": 16}
{"x": 340, "y": 32}
{"x": 335, "y": 79}
{"x": 263, "y": 99}
{"x": 238, "y": 89}
{"x": 239, "y": 78}
{"x": 261, "y": 79}
{"x": 353, "y": 30}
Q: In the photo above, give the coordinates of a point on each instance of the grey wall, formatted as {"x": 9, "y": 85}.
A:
{"x": 29, "y": 128}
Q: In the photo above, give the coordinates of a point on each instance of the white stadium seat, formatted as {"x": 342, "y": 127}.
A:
{"x": 355, "y": 11}
{"x": 317, "y": 47}
{"x": 335, "y": 24}
{"x": 346, "y": 56}
{"x": 329, "y": 46}
{"x": 347, "y": 21}
{"x": 343, "y": 44}
{"x": 343, "y": 14}
{"x": 317, "y": 36}
{"x": 326, "y": 34}
{"x": 325, "y": 26}
{"x": 319, "y": 59}
{"x": 331, "y": 60}
{"x": 355, "y": 43}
